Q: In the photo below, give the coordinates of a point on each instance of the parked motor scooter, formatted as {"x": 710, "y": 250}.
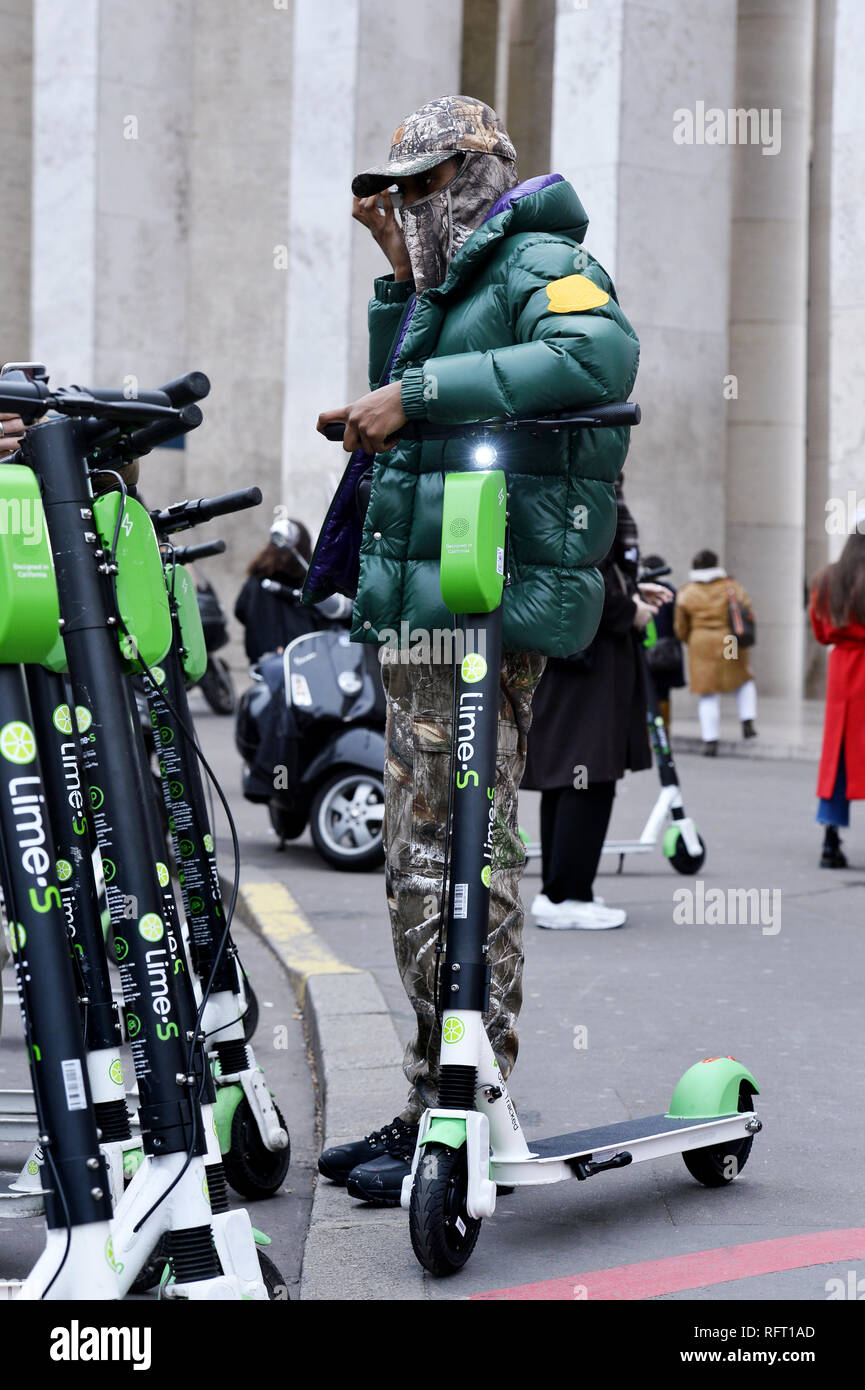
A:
{"x": 311, "y": 733}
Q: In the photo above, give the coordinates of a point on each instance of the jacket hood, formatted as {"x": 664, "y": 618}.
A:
{"x": 547, "y": 203}
{"x": 706, "y": 576}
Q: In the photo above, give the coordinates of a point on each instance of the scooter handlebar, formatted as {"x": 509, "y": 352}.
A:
{"x": 180, "y": 516}
{"x": 616, "y": 414}
{"x": 188, "y": 554}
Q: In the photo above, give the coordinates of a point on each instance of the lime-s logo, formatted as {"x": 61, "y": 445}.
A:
{"x": 79, "y": 826}
{"x": 464, "y": 779}
{"x": 151, "y": 927}
{"x": 164, "y": 1031}
{"x": 50, "y": 899}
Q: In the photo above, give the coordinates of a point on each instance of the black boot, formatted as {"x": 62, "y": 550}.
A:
{"x": 833, "y": 856}
{"x": 710, "y": 748}
{"x": 748, "y": 730}
{"x": 396, "y": 1138}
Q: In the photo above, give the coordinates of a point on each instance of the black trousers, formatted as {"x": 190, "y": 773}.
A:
{"x": 573, "y": 829}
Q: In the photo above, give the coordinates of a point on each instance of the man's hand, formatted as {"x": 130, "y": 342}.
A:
{"x": 386, "y": 231}
{"x": 643, "y": 613}
{"x": 370, "y": 420}
{"x": 11, "y": 433}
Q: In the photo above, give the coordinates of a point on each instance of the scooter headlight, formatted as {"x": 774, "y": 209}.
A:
{"x": 484, "y": 456}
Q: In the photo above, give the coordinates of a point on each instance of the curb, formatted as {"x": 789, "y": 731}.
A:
{"x": 358, "y": 1057}
{"x": 739, "y": 748}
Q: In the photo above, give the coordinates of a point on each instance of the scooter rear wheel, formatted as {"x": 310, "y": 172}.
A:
{"x": 443, "y": 1235}
{"x": 719, "y": 1166}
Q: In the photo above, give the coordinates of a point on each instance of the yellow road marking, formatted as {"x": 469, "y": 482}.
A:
{"x": 298, "y": 945}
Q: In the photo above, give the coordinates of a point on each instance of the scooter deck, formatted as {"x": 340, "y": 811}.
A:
{"x": 584, "y": 1142}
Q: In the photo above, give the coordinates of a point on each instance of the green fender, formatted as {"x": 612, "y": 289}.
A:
{"x": 671, "y": 838}
{"x": 710, "y": 1087}
{"x": 227, "y": 1100}
{"x": 260, "y": 1238}
{"x": 452, "y": 1133}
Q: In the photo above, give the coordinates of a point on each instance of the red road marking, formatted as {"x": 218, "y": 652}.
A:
{"x": 698, "y": 1270}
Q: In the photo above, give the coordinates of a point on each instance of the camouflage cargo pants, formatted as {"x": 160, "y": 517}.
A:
{"x": 416, "y": 792}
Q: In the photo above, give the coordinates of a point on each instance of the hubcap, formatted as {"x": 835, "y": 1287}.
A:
{"x": 351, "y": 815}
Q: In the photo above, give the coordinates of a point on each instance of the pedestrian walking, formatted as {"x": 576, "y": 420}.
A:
{"x": 707, "y": 610}
{"x": 837, "y": 612}
{"x": 588, "y": 729}
{"x": 493, "y": 309}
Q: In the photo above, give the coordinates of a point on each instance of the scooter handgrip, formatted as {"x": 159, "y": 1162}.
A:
{"x": 194, "y": 386}
{"x": 335, "y": 430}
{"x": 189, "y": 417}
{"x": 226, "y": 503}
{"x": 187, "y": 554}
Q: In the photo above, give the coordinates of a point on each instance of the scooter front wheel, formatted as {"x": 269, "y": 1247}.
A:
{"x": 685, "y": 863}
{"x": 251, "y": 1168}
{"x": 443, "y": 1235}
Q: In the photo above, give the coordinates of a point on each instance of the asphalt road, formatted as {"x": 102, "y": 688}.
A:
{"x": 783, "y": 994}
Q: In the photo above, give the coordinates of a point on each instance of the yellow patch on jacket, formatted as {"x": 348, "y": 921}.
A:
{"x": 575, "y": 293}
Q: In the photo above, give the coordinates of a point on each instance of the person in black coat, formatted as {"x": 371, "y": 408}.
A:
{"x": 588, "y": 729}
{"x": 272, "y": 620}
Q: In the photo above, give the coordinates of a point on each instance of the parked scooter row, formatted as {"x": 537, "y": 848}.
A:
{"x": 92, "y": 595}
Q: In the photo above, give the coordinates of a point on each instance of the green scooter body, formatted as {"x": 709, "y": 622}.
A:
{"x": 29, "y": 608}
{"x": 141, "y": 595}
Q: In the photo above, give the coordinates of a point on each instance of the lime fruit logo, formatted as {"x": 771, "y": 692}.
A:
{"x": 208, "y": 843}
{"x": 485, "y": 875}
{"x": 64, "y": 870}
{"x": 459, "y": 526}
{"x": 151, "y": 927}
{"x": 163, "y": 874}
{"x": 62, "y": 719}
{"x": 205, "y": 1190}
{"x": 17, "y": 743}
{"x": 133, "y": 1025}
{"x": 121, "y": 947}
{"x": 453, "y": 1029}
{"x": 17, "y": 936}
{"x": 474, "y": 668}
{"x": 108, "y": 869}
{"x": 83, "y": 718}
{"x": 33, "y": 1167}
{"x": 96, "y": 797}
{"x": 115, "y": 1071}
{"x": 158, "y": 674}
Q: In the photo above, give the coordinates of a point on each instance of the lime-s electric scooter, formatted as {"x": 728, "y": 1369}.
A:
{"x": 109, "y": 580}
{"x": 472, "y": 1140}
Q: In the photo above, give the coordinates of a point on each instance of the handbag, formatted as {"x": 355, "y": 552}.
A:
{"x": 740, "y": 620}
{"x": 665, "y": 657}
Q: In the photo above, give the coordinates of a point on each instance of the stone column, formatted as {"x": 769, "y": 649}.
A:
{"x": 768, "y": 332}
{"x": 659, "y": 214}
{"x": 356, "y": 72}
{"x": 16, "y": 78}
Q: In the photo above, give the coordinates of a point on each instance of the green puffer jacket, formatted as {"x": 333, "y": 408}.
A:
{"x": 524, "y": 323}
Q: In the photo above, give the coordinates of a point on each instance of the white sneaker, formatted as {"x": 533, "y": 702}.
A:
{"x": 577, "y": 916}
{"x": 542, "y": 904}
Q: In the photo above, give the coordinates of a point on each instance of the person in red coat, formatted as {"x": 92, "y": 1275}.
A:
{"x": 838, "y": 619}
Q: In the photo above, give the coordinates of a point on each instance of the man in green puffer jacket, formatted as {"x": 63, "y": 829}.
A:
{"x": 493, "y": 309}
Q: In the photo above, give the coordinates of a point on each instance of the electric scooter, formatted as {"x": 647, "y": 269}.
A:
{"x": 109, "y": 577}
{"x": 472, "y": 1142}
{"x": 682, "y": 843}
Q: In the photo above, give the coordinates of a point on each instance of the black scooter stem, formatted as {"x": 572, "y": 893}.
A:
{"x": 46, "y": 983}
{"x": 66, "y": 791}
{"x": 55, "y": 451}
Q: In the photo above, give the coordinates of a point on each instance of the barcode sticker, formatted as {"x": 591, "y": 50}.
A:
{"x": 500, "y": 560}
{"x": 73, "y": 1080}
{"x": 461, "y": 900}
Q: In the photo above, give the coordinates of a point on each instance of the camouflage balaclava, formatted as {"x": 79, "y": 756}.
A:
{"x": 435, "y": 227}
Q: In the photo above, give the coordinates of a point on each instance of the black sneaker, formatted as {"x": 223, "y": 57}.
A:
{"x": 338, "y": 1162}
{"x": 379, "y": 1180}
{"x": 833, "y": 856}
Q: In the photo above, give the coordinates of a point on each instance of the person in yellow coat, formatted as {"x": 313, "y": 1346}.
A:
{"x": 717, "y": 663}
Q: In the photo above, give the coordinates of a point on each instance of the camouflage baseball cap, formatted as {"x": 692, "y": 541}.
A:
{"x": 432, "y": 134}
